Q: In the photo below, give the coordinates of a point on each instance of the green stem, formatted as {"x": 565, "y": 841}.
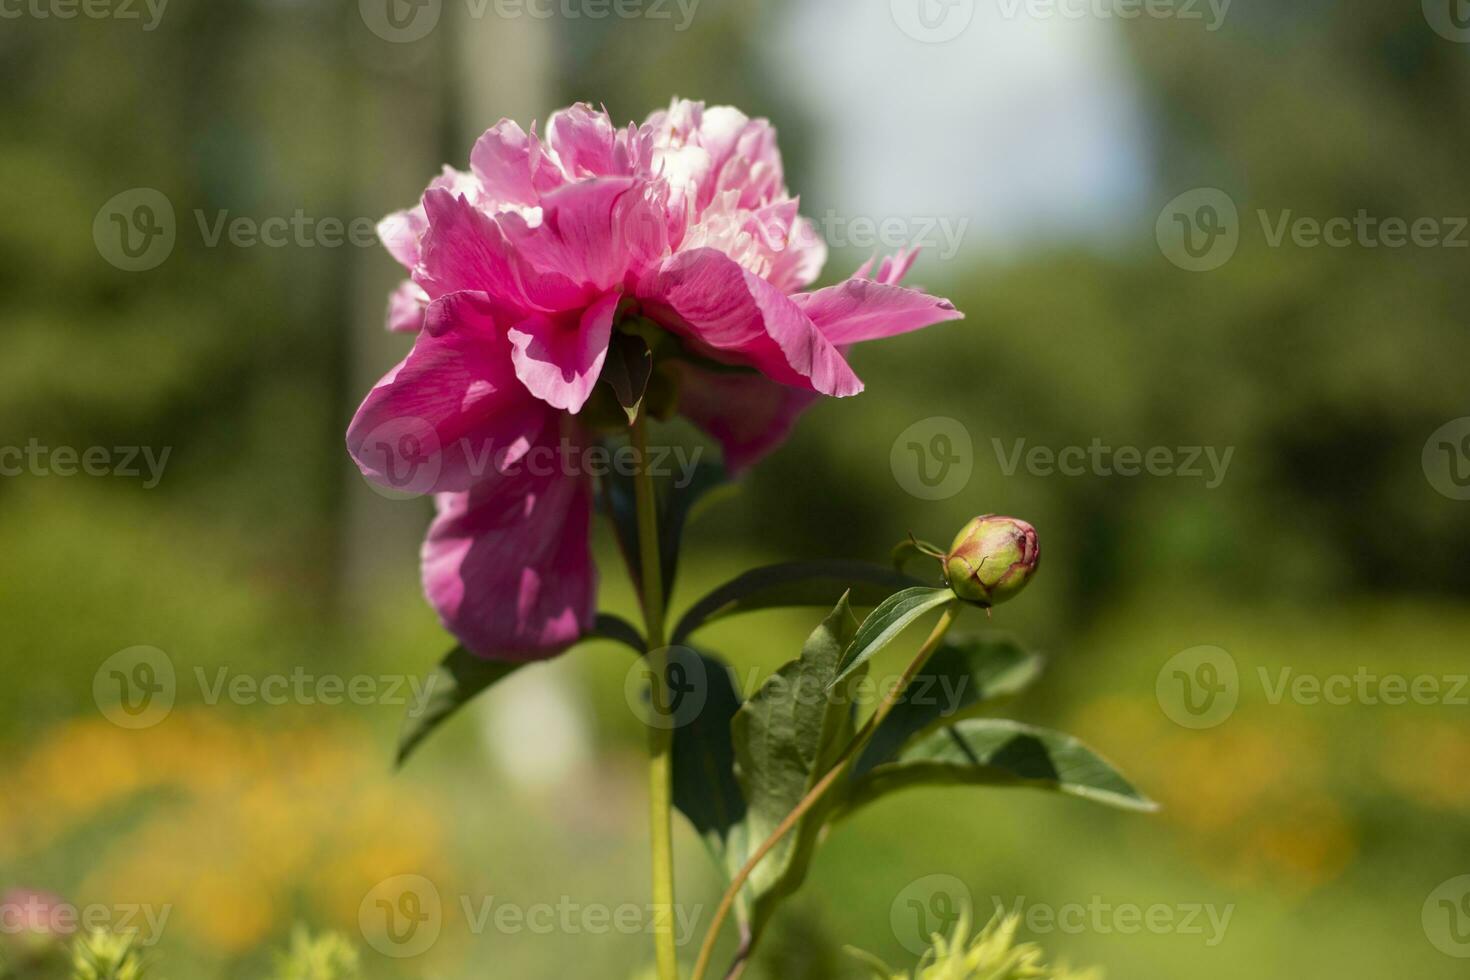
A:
{"x": 660, "y": 733}
{"x": 727, "y": 901}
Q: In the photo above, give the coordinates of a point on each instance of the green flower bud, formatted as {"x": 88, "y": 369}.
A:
{"x": 992, "y": 559}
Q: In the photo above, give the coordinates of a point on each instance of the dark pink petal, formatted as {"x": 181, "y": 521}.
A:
{"x": 406, "y": 307}
{"x": 466, "y": 249}
{"x": 707, "y": 297}
{"x": 864, "y": 309}
{"x": 558, "y": 358}
{"x": 591, "y": 233}
{"x": 508, "y": 565}
{"x": 452, "y": 410}
{"x": 747, "y": 414}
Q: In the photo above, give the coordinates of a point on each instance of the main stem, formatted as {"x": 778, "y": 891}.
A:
{"x": 660, "y": 733}
{"x": 727, "y": 901}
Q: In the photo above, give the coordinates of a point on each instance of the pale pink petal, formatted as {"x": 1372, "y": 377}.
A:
{"x": 508, "y": 565}
{"x": 708, "y": 298}
{"x": 504, "y": 160}
{"x": 559, "y": 358}
{"x": 584, "y": 141}
{"x": 799, "y": 264}
{"x": 749, "y": 415}
{"x": 452, "y": 410}
{"x": 406, "y": 307}
{"x": 863, "y": 309}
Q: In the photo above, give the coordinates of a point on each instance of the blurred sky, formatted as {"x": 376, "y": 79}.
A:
{"x": 1030, "y": 128}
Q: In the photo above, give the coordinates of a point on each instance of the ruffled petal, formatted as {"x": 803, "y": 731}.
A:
{"x": 508, "y": 564}
{"x": 452, "y": 410}
{"x": 406, "y": 307}
{"x": 864, "y": 309}
{"x": 466, "y": 249}
{"x": 585, "y": 141}
{"x": 559, "y": 358}
{"x": 707, "y": 297}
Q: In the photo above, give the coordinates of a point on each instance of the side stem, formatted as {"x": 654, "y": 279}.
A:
{"x": 660, "y": 733}
{"x": 727, "y": 901}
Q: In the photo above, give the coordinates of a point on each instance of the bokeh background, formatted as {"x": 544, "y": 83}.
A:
{"x": 1054, "y": 144}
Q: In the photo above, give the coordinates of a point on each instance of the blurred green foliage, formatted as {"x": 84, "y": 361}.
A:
{"x": 1325, "y": 548}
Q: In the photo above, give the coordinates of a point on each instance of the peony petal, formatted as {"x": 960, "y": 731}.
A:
{"x": 406, "y": 307}
{"x": 510, "y": 166}
{"x": 452, "y": 410}
{"x": 864, "y": 309}
{"x": 749, "y": 415}
{"x": 559, "y": 358}
{"x": 508, "y": 564}
{"x": 591, "y": 233}
{"x": 466, "y": 249}
{"x": 708, "y": 298}
{"x": 584, "y": 141}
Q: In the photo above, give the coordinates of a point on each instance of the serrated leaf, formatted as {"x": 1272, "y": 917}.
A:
{"x": 786, "y": 738}
{"x": 887, "y": 621}
{"x": 461, "y": 676}
{"x": 705, "y": 788}
{"x": 965, "y": 675}
{"x": 995, "y": 752}
{"x": 800, "y": 583}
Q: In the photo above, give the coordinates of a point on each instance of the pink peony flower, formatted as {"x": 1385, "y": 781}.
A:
{"x": 520, "y": 271}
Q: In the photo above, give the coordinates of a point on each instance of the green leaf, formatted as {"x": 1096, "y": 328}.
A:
{"x": 461, "y": 675}
{"x": 626, "y": 369}
{"x": 800, "y": 583}
{"x": 995, "y": 752}
{"x": 787, "y": 737}
{"x": 705, "y": 788}
{"x": 965, "y": 675}
{"x": 677, "y": 501}
{"x": 891, "y": 618}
